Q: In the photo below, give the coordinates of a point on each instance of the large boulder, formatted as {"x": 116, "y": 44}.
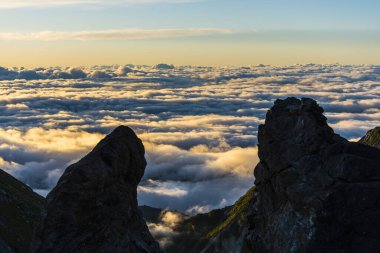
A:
{"x": 93, "y": 208}
{"x": 315, "y": 191}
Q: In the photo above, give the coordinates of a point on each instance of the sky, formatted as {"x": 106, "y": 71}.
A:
{"x": 37, "y": 33}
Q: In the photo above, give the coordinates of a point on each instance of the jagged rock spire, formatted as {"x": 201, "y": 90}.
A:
{"x": 93, "y": 208}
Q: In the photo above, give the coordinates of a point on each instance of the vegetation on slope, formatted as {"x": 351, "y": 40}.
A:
{"x": 237, "y": 214}
{"x": 192, "y": 232}
{"x": 198, "y": 233}
{"x": 372, "y": 138}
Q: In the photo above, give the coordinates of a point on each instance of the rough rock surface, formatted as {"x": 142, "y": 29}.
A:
{"x": 315, "y": 191}
{"x": 93, "y": 208}
{"x": 20, "y": 208}
{"x": 372, "y": 138}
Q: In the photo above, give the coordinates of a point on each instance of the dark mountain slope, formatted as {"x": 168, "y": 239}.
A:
{"x": 19, "y": 211}
{"x": 219, "y": 231}
{"x": 151, "y": 214}
{"x": 229, "y": 236}
{"x": 192, "y": 232}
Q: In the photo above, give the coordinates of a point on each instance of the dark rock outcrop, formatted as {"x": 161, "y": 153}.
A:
{"x": 315, "y": 191}
{"x": 93, "y": 208}
{"x": 20, "y": 208}
{"x": 372, "y": 138}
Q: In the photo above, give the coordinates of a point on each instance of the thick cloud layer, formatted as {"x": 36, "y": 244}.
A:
{"x": 199, "y": 124}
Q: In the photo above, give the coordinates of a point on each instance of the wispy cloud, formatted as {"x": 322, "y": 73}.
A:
{"x": 117, "y": 34}
{"x": 12, "y": 4}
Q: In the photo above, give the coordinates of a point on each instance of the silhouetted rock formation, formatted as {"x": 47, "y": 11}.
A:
{"x": 93, "y": 208}
{"x": 372, "y": 138}
{"x": 315, "y": 191}
{"x": 20, "y": 208}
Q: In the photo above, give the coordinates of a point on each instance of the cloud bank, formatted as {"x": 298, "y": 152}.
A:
{"x": 198, "y": 124}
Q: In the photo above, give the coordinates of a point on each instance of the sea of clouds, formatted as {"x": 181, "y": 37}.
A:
{"x": 198, "y": 124}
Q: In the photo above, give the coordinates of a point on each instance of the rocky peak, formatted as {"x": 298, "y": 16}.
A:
{"x": 93, "y": 208}
{"x": 372, "y": 138}
{"x": 315, "y": 191}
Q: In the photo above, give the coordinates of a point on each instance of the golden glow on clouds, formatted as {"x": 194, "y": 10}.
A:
{"x": 51, "y": 140}
{"x": 163, "y": 230}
